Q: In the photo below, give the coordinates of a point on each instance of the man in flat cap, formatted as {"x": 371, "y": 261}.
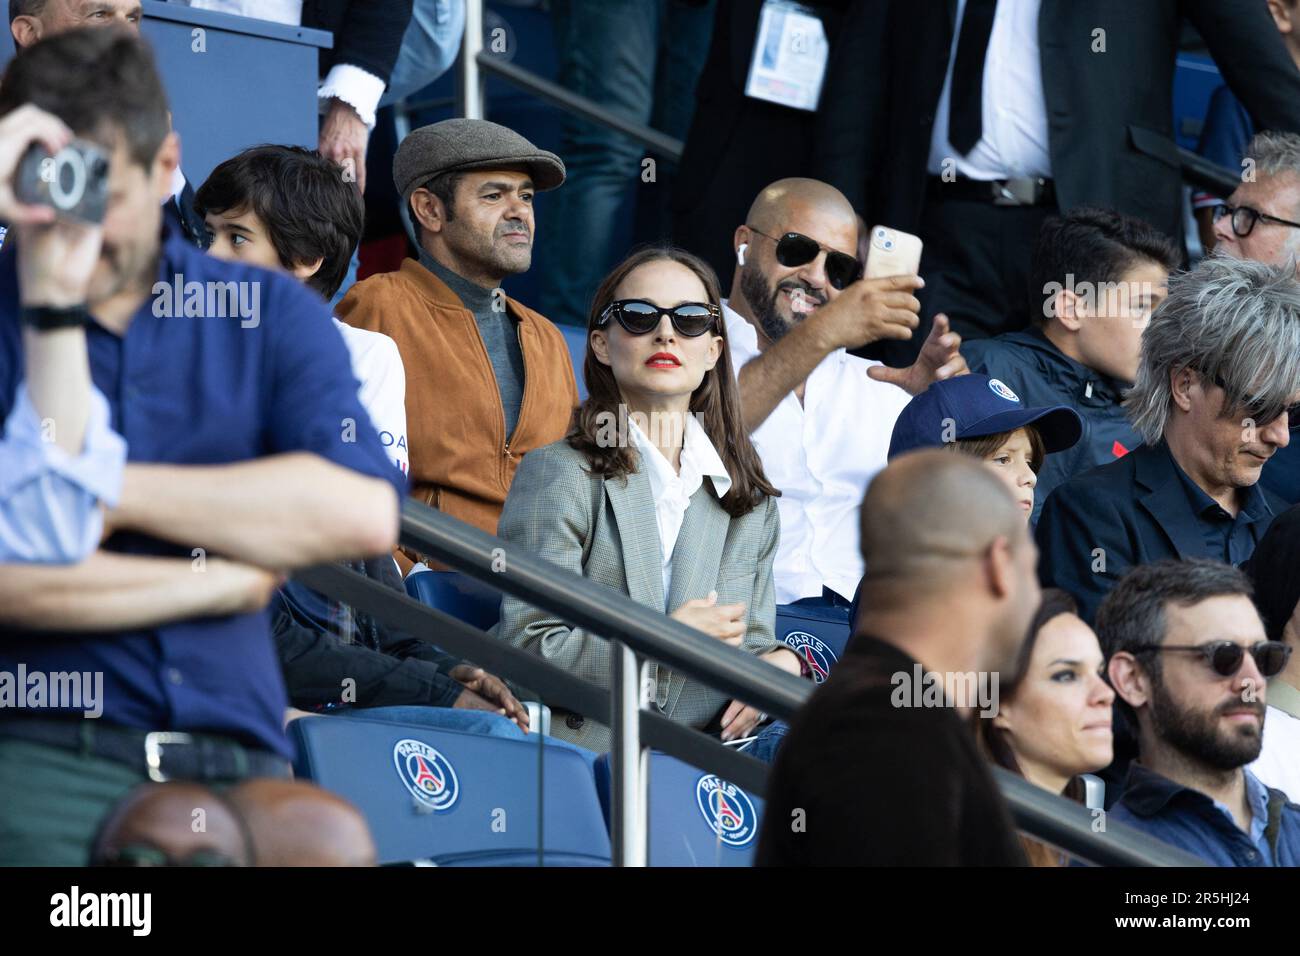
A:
{"x": 487, "y": 379}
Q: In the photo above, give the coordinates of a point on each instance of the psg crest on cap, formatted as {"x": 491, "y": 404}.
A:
{"x": 727, "y": 810}
{"x": 427, "y": 774}
{"x": 814, "y": 650}
{"x": 1001, "y": 390}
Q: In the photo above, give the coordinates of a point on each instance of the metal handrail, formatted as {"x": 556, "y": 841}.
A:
{"x": 583, "y": 603}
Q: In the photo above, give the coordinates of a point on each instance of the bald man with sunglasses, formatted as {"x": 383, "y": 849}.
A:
{"x": 820, "y": 417}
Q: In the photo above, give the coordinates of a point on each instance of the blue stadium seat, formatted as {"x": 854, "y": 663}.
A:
{"x": 696, "y": 818}
{"x": 458, "y": 595}
{"x": 576, "y": 339}
{"x": 456, "y": 799}
{"x": 818, "y": 635}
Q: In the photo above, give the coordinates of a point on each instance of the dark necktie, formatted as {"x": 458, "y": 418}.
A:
{"x": 966, "y": 106}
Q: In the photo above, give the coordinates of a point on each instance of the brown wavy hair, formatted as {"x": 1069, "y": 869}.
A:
{"x": 993, "y": 740}
{"x": 715, "y": 403}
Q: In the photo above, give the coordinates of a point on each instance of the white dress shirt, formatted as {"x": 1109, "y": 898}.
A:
{"x": 377, "y": 364}
{"x": 821, "y": 454}
{"x": 672, "y": 490}
{"x": 1278, "y": 764}
{"x": 1014, "y": 119}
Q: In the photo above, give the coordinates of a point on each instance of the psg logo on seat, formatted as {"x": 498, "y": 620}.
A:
{"x": 427, "y": 774}
{"x": 814, "y": 650}
{"x": 727, "y": 810}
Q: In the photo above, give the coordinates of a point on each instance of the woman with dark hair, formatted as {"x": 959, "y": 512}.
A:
{"x": 656, "y": 493}
{"x": 1275, "y": 570}
{"x": 1054, "y": 711}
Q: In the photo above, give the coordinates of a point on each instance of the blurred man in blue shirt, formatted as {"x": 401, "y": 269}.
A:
{"x": 1188, "y": 657}
{"x": 249, "y": 456}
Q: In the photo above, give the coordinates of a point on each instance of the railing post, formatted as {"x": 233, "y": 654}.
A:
{"x": 470, "y": 93}
{"x": 628, "y": 766}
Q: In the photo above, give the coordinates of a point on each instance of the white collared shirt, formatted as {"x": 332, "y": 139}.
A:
{"x": 821, "y": 454}
{"x": 1014, "y": 111}
{"x": 672, "y": 490}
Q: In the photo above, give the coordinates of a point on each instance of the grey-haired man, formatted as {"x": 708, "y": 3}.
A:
{"x": 1261, "y": 221}
{"x": 1218, "y": 379}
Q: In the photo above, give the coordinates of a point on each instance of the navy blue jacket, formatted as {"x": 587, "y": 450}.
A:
{"x": 1190, "y": 820}
{"x": 1041, "y": 374}
{"x": 1133, "y": 511}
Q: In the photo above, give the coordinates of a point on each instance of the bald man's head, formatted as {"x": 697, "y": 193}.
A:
{"x": 941, "y": 527}
{"x": 297, "y": 824}
{"x": 774, "y": 296}
{"x": 173, "y": 823}
{"x": 798, "y": 196}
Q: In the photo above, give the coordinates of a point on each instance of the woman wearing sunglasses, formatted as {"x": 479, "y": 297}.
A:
{"x": 656, "y": 493}
{"x": 1053, "y": 721}
{"x": 1275, "y": 570}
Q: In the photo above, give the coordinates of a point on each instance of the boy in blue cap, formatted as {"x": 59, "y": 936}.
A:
{"x": 982, "y": 417}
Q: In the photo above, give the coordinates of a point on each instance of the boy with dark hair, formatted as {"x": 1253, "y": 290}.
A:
{"x": 289, "y": 208}
{"x": 1098, "y": 275}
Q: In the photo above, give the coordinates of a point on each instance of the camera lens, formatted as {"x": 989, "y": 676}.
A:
{"x": 68, "y": 184}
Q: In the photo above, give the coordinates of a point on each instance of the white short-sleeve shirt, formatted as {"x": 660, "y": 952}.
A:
{"x": 377, "y": 364}
{"x": 821, "y": 455}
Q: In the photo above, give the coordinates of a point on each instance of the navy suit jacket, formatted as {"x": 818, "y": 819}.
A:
{"x": 1132, "y": 511}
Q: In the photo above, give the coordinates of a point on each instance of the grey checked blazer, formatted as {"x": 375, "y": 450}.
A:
{"x": 605, "y": 530}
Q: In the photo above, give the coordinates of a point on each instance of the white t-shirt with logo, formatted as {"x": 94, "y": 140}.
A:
{"x": 378, "y": 367}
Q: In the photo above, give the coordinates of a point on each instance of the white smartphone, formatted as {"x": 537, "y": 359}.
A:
{"x": 892, "y": 252}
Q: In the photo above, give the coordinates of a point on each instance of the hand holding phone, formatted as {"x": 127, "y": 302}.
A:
{"x": 892, "y": 252}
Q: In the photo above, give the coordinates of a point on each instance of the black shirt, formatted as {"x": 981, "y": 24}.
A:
{"x": 1227, "y": 538}
{"x": 880, "y": 785}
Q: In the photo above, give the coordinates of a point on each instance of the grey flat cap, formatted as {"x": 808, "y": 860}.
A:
{"x": 462, "y": 144}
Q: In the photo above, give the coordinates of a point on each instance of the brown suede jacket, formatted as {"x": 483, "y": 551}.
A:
{"x": 461, "y": 463}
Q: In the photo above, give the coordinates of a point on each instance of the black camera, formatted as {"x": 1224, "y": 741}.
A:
{"x": 73, "y": 181}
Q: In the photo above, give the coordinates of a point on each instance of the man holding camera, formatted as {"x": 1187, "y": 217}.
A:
{"x": 61, "y": 458}
{"x": 249, "y": 455}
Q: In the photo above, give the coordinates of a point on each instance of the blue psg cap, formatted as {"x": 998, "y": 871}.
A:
{"x": 972, "y": 406}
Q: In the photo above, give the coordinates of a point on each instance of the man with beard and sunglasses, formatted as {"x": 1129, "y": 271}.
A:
{"x": 820, "y": 418}
{"x": 487, "y": 378}
{"x": 1188, "y": 657}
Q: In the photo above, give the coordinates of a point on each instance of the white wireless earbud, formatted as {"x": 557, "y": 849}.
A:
{"x": 740, "y": 253}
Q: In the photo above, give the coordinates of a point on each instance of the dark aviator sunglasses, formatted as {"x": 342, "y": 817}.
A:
{"x": 795, "y": 249}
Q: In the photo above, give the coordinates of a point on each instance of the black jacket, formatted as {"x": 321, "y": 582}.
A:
{"x": 737, "y": 144}
{"x": 1133, "y": 511}
{"x": 876, "y": 783}
{"x": 367, "y": 33}
{"x": 389, "y": 666}
{"x": 1041, "y": 374}
{"x": 1109, "y": 114}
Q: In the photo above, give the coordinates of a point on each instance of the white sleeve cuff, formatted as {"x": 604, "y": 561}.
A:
{"x": 359, "y": 88}
{"x": 97, "y": 470}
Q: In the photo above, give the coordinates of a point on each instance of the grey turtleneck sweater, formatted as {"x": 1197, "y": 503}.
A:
{"x": 500, "y": 334}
